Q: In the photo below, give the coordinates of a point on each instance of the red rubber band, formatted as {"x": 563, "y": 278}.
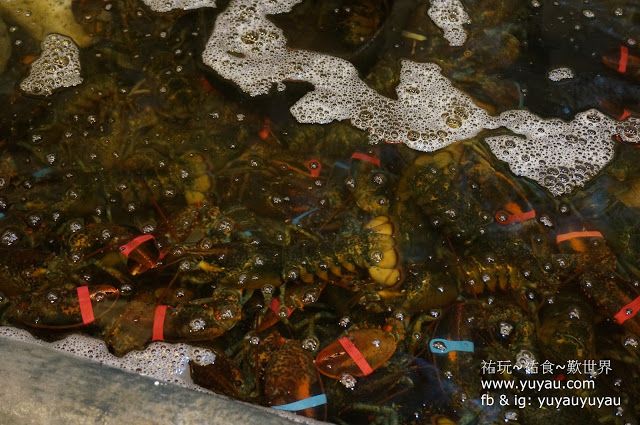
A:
{"x": 266, "y": 128}
{"x": 573, "y": 235}
{"x": 128, "y": 248}
{"x": 314, "y": 172}
{"x": 86, "y": 309}
{"x": 622, "y": 315}
{"x": 158, "y": 323}
{"x": 356, "y": 355}
{"x": 515, "y": 218}
{"x": 624, "y": 56}
{"x": 205, "y": 83}
{"x": 275, "y": 306}
{"x": 364, "y": 157}
{"x": 625, "y": 115}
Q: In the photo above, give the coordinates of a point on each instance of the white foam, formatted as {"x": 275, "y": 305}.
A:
{"x": 167, "y": 5}
{"x": 557, "y": 154}
{"x": 160, "y": 360}
{"x": 450, "y": 16}
{"x": 429, "y": 114}
{"x": 58, "y": 66}
{"x": 559, "y": 74}
{"x": 248, "y": 49}
{"x": 629, "y": 131}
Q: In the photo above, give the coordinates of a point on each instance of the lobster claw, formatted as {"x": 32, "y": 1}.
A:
{"x": 65, "y": 309}
{"x": 142, "y": 254}
{"x": 291, "y": 379}
{"x": 373, "y": 347}
{"x": 222, "y": 376}
{"x": 198, "y": 321}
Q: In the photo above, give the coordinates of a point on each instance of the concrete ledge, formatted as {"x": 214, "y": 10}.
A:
{"x": 40, "y": 385}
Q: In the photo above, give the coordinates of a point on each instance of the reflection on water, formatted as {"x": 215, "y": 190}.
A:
{"x": 346, "y": 280}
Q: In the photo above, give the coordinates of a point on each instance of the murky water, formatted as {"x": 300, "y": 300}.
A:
{"x": 147, "y": 194}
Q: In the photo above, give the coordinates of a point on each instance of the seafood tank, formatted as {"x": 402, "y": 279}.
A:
{"x": 361, "y": 211}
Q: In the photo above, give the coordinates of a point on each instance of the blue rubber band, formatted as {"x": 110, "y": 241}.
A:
{"x": 42, "y": 173}
{"x": 296, "y": 220}
{"x": 316, "y": 400}
{"x": 521, "y": 102}
{"x": 341, "y": 165}
{"x": 447, "y": 346}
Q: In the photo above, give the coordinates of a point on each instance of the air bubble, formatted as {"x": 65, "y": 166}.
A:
{"x": 439, "y": 345}
{"x": 376, "y": 256}
{"x": 631, "y": 341}
{"x": 348, "y": 380}
{"x": 344, "y": 321}
{"x": 197, "y": 324}
{"x": 310, "y": 344}
{"x": 453, "y": 122}
{"x": 75, "y": 226}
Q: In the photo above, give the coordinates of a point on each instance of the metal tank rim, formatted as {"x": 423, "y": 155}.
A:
{"x": 42, "y": 385}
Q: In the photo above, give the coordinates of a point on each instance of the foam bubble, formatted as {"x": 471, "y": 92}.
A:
{"x": 559, "y": 74}
{"x": 429, "y": 113}
{"x": 557, "y": 154}
{"x": 449, "y": 16}
{"x": 160, "y": 360}
{"x": 58, "y": 66}
{"x": 167, "y": 5}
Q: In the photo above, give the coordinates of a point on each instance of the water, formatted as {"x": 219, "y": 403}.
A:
{"x": 197, "y": 212}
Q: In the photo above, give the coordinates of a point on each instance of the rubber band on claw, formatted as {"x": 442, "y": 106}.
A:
{"x": 341, "y": 165}
{"x": 356, "y": 355}
{"x": 624, "y": 57}
{"x": 158, "y": 323}
{"x": 628, "y": 311}
{"x": 307, "y": 403}
{"x": 128, "y": 248}
{"x": 364, "y": 157}
{"x": 86, "y": 309}
{"x": 314, "y": 167}
{"x": 573, "y": 235}
{"x": 513, "y": 218}
{"x": 296, "y": 220}
{"x": 625, "y": 114}
{"x": 443, "y": 346}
